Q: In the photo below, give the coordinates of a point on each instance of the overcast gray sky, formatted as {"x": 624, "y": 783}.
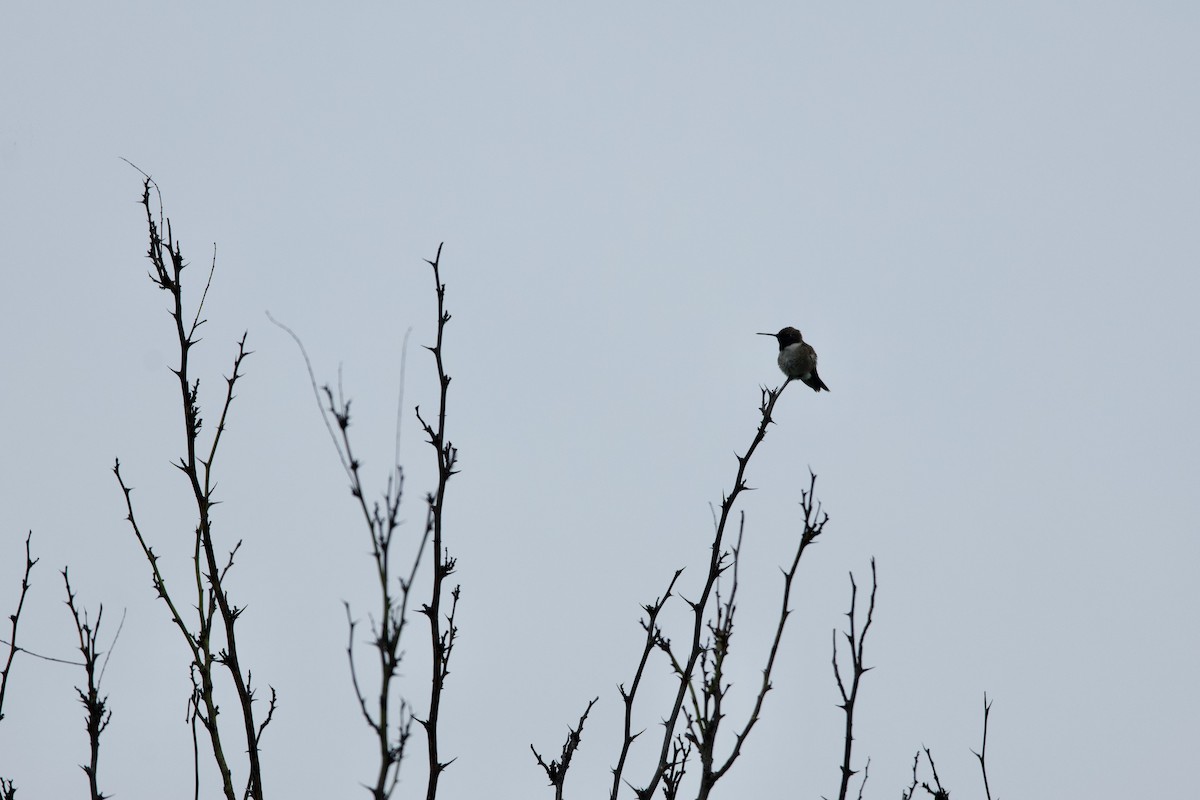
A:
{"x": 983, "y": 216}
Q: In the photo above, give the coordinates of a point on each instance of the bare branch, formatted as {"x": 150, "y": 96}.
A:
{"x": 717, "y": 564}
{"x": 98, "y": 713}
{"x": 441, "y": 640}
{"x": 382, "y": 520}
{"x": 212, "y": 602}
{"x": 556, "y": 770}
{"x": 863, "y": 784}
{"x": 8, "y": 790}
{"x": 856, "y": 641}
{"x": 312, "y": 379}
{"x": 654, "y": 639}
{"x": 14, "y": 619}
{"x": 814, "y": 525}
{"x": 982, "y": 754}
{"x": 937, "y": 790}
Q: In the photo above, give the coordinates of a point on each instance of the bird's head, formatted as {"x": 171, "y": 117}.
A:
{"x": 786, "y": 336}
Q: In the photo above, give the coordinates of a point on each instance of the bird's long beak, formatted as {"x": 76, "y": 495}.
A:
{"x": 764, "y": 334}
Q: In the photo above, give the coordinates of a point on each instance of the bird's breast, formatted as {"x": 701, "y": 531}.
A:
{"x": 796, "y": 361}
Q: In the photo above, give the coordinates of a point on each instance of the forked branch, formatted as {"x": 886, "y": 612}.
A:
{"x": 856, "y": 641}
{"x": 215, "y": 612}
{"x": 718, "y": 561}
{"x": 556, "y": 770}
{"x": 96, "y": 707}
{"x": 982, "y": 754}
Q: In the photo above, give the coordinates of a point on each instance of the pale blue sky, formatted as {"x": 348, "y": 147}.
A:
{"x": 983, "y": 216}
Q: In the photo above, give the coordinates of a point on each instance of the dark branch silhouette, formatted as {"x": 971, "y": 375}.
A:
{"x": 856, "y": 640}
{"x": 14, "y": 619}
{"x": 382, "y": 520}
{"x": 8, "y": 790}
{"x": 982, "y": 754}
{"x": 697, "y": 715}
{"x": 556, "y": 770}
{"x": 215, "y": 612}
{"x": 441, "y": 638}
{"x": 98, "y": 712}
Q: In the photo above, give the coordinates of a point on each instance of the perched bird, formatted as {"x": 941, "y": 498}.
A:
{"x": 797, "y": 359}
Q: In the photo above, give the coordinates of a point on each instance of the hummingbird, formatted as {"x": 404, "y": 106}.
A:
{"x": 797, "y": 359}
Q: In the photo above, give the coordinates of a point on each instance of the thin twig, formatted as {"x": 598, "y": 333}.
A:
{"x": 866, "y": 773}
{"x": 556, "y": 770}
{"x": 14, "y": 619}
{"x": 982, "y": 754}
{"x": 912, "y": 787}
{"x": 312, "y": 379}
{"x": 940, "y": 792}
{"x": 51, "y": 659}
{"x": 400, "y": 392}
